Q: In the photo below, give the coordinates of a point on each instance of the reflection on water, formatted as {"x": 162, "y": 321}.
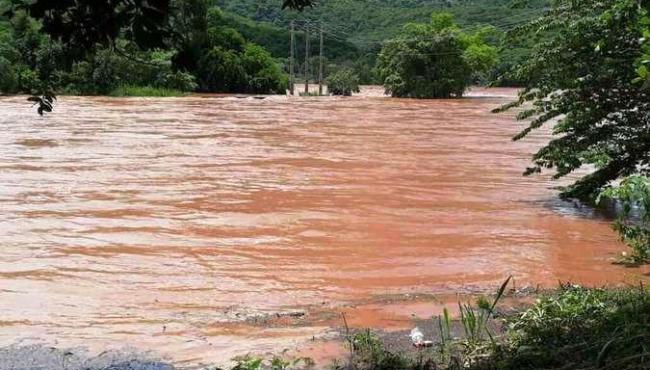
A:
{"x": 154, "y": 221}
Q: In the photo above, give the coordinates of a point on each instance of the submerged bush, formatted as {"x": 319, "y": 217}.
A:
{"x": 343, "y": 82}
{"x": 181, "y": 81}
{"x": 434, "y": 60}
{"x": 127, "y": 90}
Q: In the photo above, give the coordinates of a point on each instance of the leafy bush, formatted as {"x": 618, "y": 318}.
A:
{"x": 343, "y": 82}
{"x": 221, "y": 70}
{"x": 633, "y": 225}
{"x": 181, "y": 81}
{"x": 8, "y": 76}
{"x": 263, "y": 73}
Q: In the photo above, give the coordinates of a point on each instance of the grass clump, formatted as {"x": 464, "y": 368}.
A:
{"x": 144, "y": 91}
{"x": 368, "y": 352}
{"x": 249, "y": 362}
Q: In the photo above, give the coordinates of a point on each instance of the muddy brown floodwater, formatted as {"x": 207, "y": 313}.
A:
{"x": 167, "y": 224}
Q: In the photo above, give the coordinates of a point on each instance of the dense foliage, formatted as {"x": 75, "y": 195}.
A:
{"x": 343, "y": 82}
{"x": 167, "y": 45}
{"x": 633, "y": 224}
{"x": 353, "y": 35}
{"x": 577, "y": 328}
{"x": 32, "y": 62}
{"x": 84, "y": 23}
{"x": 435, "y": 60}
{"x": 220, "y": 57}
{"x": 586, "y": 78}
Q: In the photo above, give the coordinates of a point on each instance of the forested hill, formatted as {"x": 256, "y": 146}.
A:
{"x": 275, "y": 38}
{"x": 368, "y": 22}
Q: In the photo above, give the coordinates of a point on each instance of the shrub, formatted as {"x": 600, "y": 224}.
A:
{"x": 343, "y": 82}
{"x": 181, "y": 81}
{"x": 8, "y": 77}
{"x": 127, "y": 90}
{"x": 579, "y": 328}
{"x": 633, "y": 225}
{"x": 221, "y": 70}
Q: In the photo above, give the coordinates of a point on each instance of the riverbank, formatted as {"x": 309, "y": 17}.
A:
{"x": 566, "y": 328}
{"x": 569, "y": 328}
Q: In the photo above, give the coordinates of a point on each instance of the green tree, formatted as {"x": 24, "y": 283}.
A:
{"x": 263, "y": 73}
{"x": 434, "y": 60}
{"x": 584, "y": 80}
{"x": 220, "y": 70}
{"x": 218, "y": 55}
{"x": 93, "y": 47}
{"x": 633, "y": 224}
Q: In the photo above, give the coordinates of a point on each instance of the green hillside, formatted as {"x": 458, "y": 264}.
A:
{"x": 276, "y": 38}
{"x": 368, "y": 22}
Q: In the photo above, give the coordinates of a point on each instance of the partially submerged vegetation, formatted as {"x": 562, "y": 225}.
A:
{"x": 570, "y": 328}
{"x": 435, "y": 60}
{"x": 344, "y": 82}
{"x": 128, "y": 90}
{"x": 193, "y": 49}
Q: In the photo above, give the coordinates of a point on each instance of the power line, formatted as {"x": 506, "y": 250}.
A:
{"x": 340, "y": 32}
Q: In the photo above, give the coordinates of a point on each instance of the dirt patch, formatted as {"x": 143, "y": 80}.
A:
{"x": 37, "y": 143}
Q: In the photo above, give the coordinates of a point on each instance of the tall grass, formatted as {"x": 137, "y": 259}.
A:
{"x": 144, "y": 91}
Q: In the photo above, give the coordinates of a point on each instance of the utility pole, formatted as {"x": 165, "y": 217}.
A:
{"x": 291, "y": 57}
{"x": 320, "y": 60}
{"x": 306, "y": 61}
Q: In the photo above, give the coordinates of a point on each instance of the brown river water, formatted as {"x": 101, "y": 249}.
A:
{"x": 163, "y": 224}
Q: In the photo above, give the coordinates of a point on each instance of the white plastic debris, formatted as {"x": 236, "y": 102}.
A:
{"x": 417, "y": 337}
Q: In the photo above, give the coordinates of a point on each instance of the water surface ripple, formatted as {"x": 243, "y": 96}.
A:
{"x": 152, "y": 221}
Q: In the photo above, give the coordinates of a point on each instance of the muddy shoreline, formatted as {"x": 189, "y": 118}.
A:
{"x": 391, "y": 317}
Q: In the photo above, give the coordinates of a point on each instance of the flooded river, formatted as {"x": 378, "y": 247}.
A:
{"x": 163, "y": 223}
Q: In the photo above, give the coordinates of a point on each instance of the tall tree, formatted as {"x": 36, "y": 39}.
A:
{"x": 81, "y": 25}
{"x": 434, "y": 60}
{"x": 584, "y": 79}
